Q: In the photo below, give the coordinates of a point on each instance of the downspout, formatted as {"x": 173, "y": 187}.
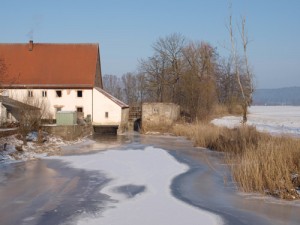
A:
{"x": 92, "y": 105}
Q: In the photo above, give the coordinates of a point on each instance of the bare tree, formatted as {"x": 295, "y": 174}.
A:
{"x": 192, "y": 75}
{"x": 113, "y": 85}
{"x": 198, "y": 86}
{"x": 201, "y": 58}
{"x": 130, "y": 88}
{"x": 228, "y": 90}
{"x": 244, "y": 80}
{"x": 154, "y": 71}
{"x": 249, "y": 87}
{"x": 141, "y": 88}
{"x": 170, "y": 51}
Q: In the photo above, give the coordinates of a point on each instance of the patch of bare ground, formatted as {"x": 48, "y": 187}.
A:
{"x": 259, "y": 162}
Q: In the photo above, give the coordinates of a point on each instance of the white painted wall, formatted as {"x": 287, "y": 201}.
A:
{"x": 69, "y": 100}
{"x": 103, "y": 104}
{"x": 92, "y": 101}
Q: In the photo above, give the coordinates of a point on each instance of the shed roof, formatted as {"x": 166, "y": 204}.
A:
{"x": 112, "y": 98}
{"x": 6, "y": 101}
{"x": 37, "y": 65}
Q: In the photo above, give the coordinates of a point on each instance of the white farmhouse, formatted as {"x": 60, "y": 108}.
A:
{"x": 66, "y": 76}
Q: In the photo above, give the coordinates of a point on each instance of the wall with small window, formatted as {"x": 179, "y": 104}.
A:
{"x": 58, "y": 99}
{"x": 100, "y": 107}
{"x": 106, "y": 111}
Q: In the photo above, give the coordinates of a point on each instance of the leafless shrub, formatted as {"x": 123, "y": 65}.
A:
{"x": 30, "y": 116}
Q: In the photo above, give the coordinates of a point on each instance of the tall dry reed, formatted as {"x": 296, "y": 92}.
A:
{"x": 259, "y": 162}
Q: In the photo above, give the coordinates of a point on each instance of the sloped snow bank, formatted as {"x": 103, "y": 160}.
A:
{"x": 151, "y": 172}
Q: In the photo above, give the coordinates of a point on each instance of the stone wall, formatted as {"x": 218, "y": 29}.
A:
{"x": 70, "y": 132}
{"x": 8, "y": 132}
{"x": 160, "y": 113}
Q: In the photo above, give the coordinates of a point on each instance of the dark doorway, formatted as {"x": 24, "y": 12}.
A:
{"x": 106, "y": 129}
{"x": 137, "y": 125}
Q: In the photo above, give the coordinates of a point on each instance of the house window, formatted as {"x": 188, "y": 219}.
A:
{"x": 30, "y": 94}
{"x": 106, "y": 114}
{"x": 58, "y": 93}
{"x": 44, "y": 94}
{"x": 58, "y": 109}
{"x": 79, "y": 93}
{"x": 79, "y": 109}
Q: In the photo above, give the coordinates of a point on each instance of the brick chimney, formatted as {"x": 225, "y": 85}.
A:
{"x": 30, "y": 47}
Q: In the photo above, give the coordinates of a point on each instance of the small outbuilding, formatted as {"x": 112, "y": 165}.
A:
{"x": 158, "y": 113}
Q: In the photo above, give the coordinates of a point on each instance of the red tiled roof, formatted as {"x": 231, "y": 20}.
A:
{"x": 50, "y": 65}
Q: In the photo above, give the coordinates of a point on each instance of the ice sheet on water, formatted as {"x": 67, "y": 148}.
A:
{"x": 153, "y": 169}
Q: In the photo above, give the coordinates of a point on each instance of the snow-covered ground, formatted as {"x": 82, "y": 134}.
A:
{"x": 13, "y": 150}
{"x": 140, "y": 187}
{"x": 272, "y": 119}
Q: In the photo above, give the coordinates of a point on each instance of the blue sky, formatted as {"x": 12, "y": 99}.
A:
{"x": 126, "y": 30}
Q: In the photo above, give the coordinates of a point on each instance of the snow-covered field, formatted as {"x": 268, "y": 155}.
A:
{"x": 140, "y": 187}
{"x": 272, "y": 119}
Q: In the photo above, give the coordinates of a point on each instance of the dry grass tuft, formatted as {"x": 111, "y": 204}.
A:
{"x": 202, "y": 134}
{"x": 156, "y": 127}
{"x": 259, "y": 162}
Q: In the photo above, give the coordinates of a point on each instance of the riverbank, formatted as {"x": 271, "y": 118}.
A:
{"x": 265, "y": 162}
{"x": 12, "y": 148}
{"x": 259, "y": 162}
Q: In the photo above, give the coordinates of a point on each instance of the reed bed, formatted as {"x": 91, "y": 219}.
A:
{"x": 259, "y": 162}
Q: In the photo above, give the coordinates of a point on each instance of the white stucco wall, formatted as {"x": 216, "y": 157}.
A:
{"x": 68, "y": 102}
{"x": 102, "y": 104}
{"x": 93, "y": 102}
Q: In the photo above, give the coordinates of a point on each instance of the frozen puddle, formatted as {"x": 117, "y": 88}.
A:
{"x": 140, "y": 188}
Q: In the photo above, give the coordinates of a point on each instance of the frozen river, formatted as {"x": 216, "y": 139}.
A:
{"x": 132, "y": 180}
